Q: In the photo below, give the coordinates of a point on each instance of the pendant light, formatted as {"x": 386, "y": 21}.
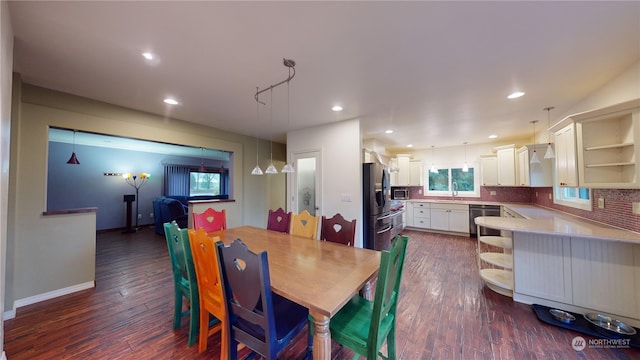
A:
{"x": 288, "y": 169}
{"x": 73, "y": 160}
{"x": 256, "y": 170}
{"x": 549, "y": 154}
{"x": 202, "y": 168}
{"x": 465, "y": 168}
{"x": 271, "y": 169}
{"x": 433, "y": 164}
{"x": 534, "y": 158}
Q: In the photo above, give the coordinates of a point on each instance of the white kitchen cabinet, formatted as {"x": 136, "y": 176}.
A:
{"x": 489, "y": 170}
{"x": 608, "y": 149}
{"x": 421, "y": 217}
{"x": 610, "y": 286}
{"x": 393, "y": 171}
{"x": 415, "y": 173}
{"x": 534, "y": 175}
{"x": 506, "y": 157}
{"x": 542, "y": 266}
{"x": 599, "y": 148}
{"x": 566, "y": 161}
{"x": 404, "y": 162}
{"x": 450, "y": 217}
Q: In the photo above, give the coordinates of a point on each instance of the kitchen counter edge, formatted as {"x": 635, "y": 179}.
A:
{"x": 539, "y": 220}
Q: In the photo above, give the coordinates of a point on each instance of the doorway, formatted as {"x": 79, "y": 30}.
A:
{"x": 307, "y": 182}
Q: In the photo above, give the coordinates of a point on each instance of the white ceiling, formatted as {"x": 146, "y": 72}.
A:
{"x": 438, "y": 73}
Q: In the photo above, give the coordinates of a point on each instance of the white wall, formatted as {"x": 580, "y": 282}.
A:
{"x": 340, "y": 146}
{"x": 6, "y": 66}
{"x": 623, "y": 88}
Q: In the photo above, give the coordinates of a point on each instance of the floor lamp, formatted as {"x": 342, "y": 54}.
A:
{"x": 137, "y": 181}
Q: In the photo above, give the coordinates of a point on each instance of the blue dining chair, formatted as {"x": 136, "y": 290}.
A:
{"x": 261, "y": 320}
{"x": 184, "y": 278}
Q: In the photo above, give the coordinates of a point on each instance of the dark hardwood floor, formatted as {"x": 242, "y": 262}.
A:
{"x": 444, "y": 312}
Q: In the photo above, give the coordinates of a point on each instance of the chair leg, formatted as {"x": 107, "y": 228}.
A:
{"x": 391, "y": 343}
{"x": 177, "y": 309}
{"x": 233, "y": 349}
{"x": 204, "y": 331}
{"x": 224, "y": 340}
{"x": 194, "y": 317}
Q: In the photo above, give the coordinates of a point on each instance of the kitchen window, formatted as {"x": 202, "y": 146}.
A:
{"x": 441, "y": 182}
{"x": 579, "y": 198}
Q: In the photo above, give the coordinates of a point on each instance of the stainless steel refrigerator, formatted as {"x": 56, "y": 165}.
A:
{"x": 377, "y": 216}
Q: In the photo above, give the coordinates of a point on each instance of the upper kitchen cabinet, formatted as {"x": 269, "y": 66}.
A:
{"x": 415, "y": 173}
{"x": 609, "y": 153}
{"x": 536, "y": 174}
{"x": 489, "y": 169}
{"x": 393, "y": 171}
{"x": 506, "y": 157}
{"x": 409, "y": 171}
{"x": 605, "y": 153}
{"x": 566, "y": 161}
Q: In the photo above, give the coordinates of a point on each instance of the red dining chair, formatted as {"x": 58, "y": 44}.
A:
{"x": 337, "y": 229}
{"x": 210, "y": 220}
{"x": 279, "y": 220}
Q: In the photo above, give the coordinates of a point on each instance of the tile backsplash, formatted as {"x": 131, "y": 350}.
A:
{"x": 617, "y": 209}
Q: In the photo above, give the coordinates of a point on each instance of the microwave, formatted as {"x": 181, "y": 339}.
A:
{"x": 400, "y": 194}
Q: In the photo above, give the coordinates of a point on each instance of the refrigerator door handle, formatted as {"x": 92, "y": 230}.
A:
{"x": 384, "y": 230}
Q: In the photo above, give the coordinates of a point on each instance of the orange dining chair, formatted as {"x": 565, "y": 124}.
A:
{"x": 210, "y": 295}
{"x": 338, "y": 230}
{"x": 304, "y": 224}
{"x": 210, "y": 220}
{"x": 279, "y": 220}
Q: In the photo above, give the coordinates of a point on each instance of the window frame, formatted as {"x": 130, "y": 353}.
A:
{"x": 476, "y": 182}
{"x": 575, "y": 202}
{"x": 221, "y": 182}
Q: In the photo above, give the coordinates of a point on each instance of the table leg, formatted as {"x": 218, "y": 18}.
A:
{"x": 321, "y": 337}
{"x": 366, "y": 291}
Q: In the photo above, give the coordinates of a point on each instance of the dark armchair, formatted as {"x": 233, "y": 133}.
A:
{"x": 166, "y": 209}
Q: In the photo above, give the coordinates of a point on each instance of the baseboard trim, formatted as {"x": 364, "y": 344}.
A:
{"x": 46, "y": 296}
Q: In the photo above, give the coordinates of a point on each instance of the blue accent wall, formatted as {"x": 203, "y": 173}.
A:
{"x": 85, "y": 185}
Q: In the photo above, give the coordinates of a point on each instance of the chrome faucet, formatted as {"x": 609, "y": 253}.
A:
{"x": 454, "y": 190}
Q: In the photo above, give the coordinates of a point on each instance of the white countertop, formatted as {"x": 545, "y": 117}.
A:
{"x": 546, "y": 221}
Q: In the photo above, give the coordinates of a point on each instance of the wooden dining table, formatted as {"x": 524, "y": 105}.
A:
{"x": 319, "y": 275}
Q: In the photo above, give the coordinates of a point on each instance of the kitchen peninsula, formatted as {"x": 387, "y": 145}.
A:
{"x": 570, "y": 263}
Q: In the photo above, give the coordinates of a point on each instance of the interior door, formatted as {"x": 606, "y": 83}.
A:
{"x": 307, "y": 181}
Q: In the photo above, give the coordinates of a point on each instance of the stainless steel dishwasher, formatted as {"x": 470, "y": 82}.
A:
{"x": 482, "y": 210}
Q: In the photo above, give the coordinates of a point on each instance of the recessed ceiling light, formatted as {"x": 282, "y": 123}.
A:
{"x": 493, "y": 136}
{"x": 147, "y": 55}
{"x": 171, "y": 101}
{"x": 515, "y": 95}
{"x": 388, "y": 131}
{"x": 336, "y": 108}
{"x": 410, "y": 145}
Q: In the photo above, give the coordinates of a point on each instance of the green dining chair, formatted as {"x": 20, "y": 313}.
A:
{"x": 363, "y": 325}
{"x": 184, "y": 278}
